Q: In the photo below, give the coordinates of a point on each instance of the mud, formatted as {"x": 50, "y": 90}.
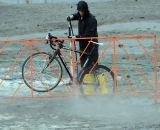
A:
{"x": 122, "y": 111}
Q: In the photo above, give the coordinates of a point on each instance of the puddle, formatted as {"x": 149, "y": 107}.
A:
{"x": 46, "y": 1}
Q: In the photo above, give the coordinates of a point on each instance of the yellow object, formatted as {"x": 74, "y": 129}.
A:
{"x": 89, "y": 79}
{"x": 103, "y": 84}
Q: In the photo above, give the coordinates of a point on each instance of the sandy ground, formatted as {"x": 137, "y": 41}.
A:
{"x": 38, "y": 18}
{"x": 119, "y": 17}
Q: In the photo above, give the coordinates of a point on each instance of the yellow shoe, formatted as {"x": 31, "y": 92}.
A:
{"x": 103, "y": 84}
{"x": 89, "y": 78}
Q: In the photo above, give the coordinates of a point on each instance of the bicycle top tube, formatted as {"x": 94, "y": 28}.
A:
{"x": 61, "y": 46}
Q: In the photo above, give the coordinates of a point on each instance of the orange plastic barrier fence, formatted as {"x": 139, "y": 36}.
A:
{"x": 132, "y": 59}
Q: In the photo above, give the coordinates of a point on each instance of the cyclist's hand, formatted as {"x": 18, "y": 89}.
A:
{"x": 69, "y": 18}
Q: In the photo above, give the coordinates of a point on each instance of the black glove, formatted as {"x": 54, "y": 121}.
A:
{"x": 69, "y": 18}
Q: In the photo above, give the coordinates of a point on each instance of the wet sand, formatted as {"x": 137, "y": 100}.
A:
{"x": 119, "y": 17}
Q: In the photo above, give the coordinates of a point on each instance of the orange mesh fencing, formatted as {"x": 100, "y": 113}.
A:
{"x": 132, "y": 59}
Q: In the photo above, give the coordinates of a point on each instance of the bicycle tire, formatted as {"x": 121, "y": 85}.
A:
{"x": 99, "y": 69}
{"x": 41, "y": 81}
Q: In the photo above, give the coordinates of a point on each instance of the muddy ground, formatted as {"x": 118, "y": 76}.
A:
{"x": 119, "y": 17}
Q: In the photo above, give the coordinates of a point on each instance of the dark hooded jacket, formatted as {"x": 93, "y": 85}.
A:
{"x": 87, "y": 26}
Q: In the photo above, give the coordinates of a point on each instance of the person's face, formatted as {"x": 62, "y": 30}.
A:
{"x": 81, "y": 12}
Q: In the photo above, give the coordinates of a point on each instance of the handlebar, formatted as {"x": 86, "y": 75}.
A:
{"x": 49, "y": 38}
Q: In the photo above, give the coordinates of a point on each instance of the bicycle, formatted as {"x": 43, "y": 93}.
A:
{"x": 46, "y": 72}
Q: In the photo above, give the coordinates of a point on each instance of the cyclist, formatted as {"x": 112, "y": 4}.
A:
{"x": 87, "y": 27}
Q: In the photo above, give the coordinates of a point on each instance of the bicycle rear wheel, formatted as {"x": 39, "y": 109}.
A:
{"x": 38, "y": 78}
{"x": 100, "y": 81}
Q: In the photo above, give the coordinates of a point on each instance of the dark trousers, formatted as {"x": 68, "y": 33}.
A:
{"x": 94, "y": 57}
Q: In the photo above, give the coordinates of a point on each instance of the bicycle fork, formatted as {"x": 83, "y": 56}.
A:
{"x": 48, "y": 63}
{"x": 51, "y": 58}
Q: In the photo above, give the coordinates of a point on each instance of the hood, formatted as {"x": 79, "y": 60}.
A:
{"x": 82, "y": 5}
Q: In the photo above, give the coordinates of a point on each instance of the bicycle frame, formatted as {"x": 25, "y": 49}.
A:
{"x": 57, "y": 52}
{"x": 61, "y": 46}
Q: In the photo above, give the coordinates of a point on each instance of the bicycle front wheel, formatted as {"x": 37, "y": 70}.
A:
{"x": 39, "y": 78}
{"x": 99, "y": 81}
